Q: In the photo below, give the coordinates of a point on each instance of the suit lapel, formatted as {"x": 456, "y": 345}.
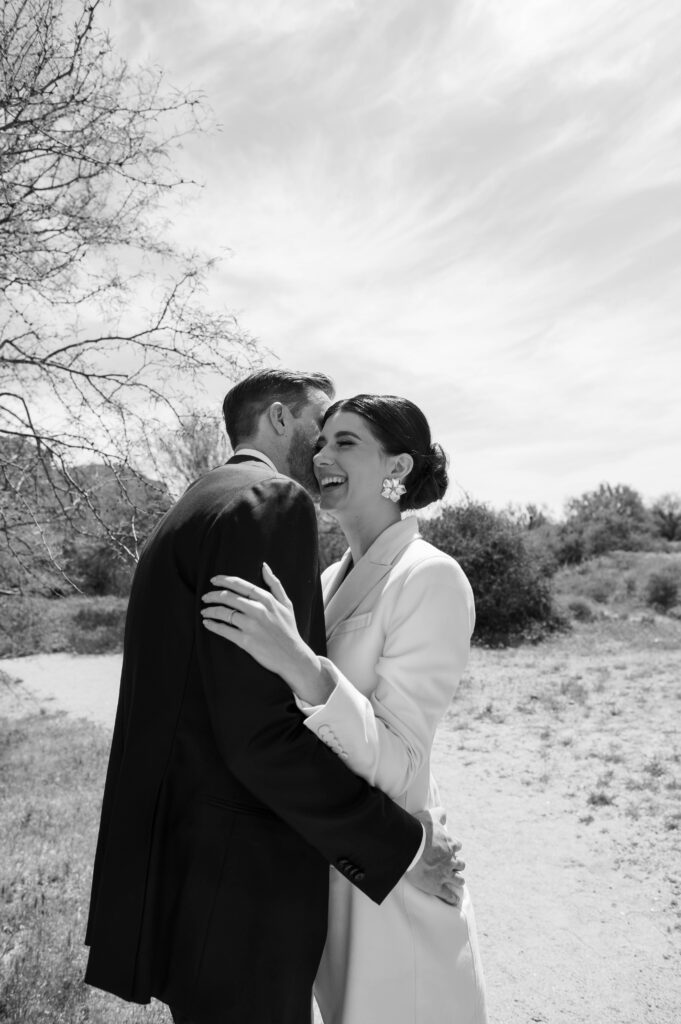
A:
{"x": 343, "y": 596}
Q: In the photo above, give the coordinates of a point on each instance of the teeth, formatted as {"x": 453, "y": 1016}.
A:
{"x": 329, "y": 480}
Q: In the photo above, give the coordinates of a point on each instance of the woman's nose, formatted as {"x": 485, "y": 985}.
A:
{"x": 320, "y": 459}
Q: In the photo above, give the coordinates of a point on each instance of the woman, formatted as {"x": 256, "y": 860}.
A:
{"x": 399, "y": 615}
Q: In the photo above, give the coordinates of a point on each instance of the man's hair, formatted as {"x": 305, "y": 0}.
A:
{"x": 247, "y": 400}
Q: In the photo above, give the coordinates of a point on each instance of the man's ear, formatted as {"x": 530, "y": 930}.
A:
{"x": 402, "y": 466}
{"x": 276, "y": 415}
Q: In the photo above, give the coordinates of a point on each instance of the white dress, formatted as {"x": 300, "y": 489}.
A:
{"x": 398, "y": 629}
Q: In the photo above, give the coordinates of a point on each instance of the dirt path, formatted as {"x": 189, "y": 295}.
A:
{"x": 85, "y": 686}
{"x": 573, "y": 909}
{"x": 566, "y": 936}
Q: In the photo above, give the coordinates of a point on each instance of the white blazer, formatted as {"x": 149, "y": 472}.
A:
{"x": 398, "y": 632}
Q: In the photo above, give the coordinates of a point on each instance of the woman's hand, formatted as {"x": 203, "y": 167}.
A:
{"x": 262, "y": 623}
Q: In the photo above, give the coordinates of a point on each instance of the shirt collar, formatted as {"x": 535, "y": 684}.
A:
{"x": 257, "y": 455}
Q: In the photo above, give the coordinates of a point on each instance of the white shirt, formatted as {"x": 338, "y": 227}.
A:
{"x": 257, "y": 455}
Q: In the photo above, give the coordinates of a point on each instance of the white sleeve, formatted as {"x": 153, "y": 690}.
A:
{"x": 387, "y": 738}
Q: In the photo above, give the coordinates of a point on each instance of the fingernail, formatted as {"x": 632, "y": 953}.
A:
{"x": 266, "y": 566}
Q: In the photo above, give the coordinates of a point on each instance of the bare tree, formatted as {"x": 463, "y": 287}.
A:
{"x": 86, "y": 158}
{"x": 198, "y": 445}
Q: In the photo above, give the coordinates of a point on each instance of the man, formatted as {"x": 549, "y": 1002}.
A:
{"x": 221, "y": 811}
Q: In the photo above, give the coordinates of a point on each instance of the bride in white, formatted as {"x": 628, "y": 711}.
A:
{"x": 399, "y": 616}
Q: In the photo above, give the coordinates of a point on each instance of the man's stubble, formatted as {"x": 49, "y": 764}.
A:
{"x": 300, "y": 461}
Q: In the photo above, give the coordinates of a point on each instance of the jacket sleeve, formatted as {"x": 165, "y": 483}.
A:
{"x": 258, "y": 728}
{"x": 386, "y": 739}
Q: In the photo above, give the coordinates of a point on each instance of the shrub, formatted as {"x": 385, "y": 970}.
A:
{"x": 617, "y": 579}
{"x": 97, "y": 567}
{"x": 29, "y": 625}
{"x": 98, "y": 627}
{"x": 607, "y": 519}
{"x": 630, "y": 584}
{"x": 581, "y": 609}
{"x": 332, "y": 542}
{"x": 666, "y": 516}
{"x": 511, "y": 583}
{"x": 599, "y": 589}
{"x": 35, "y": 625}
{"x": 662, "y": 590}
{"x": 544, "y": 541}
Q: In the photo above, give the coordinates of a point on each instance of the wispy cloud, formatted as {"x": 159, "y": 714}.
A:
{"x": 478, "y": 204}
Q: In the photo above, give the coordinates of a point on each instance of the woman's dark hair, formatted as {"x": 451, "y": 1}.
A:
{"x": 247, "y": 400}
{"x": 399, "y": 426}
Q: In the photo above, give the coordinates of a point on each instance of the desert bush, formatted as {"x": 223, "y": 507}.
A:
{"x": 544, "y": 541}
{"x": 97, "y": 567}
{"x": 540, "y": 532}
{"x": 608, "y": 519}
{"x": 99, "y": 556}
{"x": 581, "y": 609}
{"x": 666, "y": 516}
{"x": 511, "y": 583}
{"x": 332, "y": 543}
{"x": 82, "y": 552}
{"x": 98, "y": 627}
{"x": 617, "y": 579}
{"x": 599, "y": 589}
{"x": 662, "y": 590}
{"x": 630, "y": 584}
{"x": 33, "y": 625}
{"x": 29, "y": 625}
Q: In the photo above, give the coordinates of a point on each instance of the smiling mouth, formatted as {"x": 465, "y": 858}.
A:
{"x": 327, "y": 483}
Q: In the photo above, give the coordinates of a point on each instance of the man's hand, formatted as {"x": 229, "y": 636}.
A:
{"x": 437, "y": 870}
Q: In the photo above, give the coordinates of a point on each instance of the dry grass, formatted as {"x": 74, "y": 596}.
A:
{"x": 52, "y": 776}
{"x": 615, "y": 584}
{"x": 593, "y": 715}
{"x": 83, "y": 625}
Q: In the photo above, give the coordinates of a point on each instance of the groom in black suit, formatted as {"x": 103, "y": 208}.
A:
{"x": 222, "y": 812}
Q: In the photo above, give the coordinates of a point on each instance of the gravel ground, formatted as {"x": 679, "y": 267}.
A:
{"x": 575, "y": 909}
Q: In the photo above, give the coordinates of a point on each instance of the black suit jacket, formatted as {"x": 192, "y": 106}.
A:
{"x": 221, "y": 811}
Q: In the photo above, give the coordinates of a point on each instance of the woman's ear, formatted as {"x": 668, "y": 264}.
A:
{"x": 402, "y": 466}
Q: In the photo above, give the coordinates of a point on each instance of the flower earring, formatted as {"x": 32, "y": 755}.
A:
{"x": 393, "y": 489}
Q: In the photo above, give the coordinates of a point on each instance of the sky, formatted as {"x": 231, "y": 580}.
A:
{"x": 474, "y": 203}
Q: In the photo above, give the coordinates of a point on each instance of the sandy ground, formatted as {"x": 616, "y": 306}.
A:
{"x": 85, "y": 686}
{"x": 574, "y": 920}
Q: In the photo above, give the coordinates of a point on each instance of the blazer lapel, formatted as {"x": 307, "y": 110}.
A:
{"x": 331, "y": 582}
{"x": 344, "y": 595}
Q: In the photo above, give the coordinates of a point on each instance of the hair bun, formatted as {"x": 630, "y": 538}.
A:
{"x": 430, "y": 477}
